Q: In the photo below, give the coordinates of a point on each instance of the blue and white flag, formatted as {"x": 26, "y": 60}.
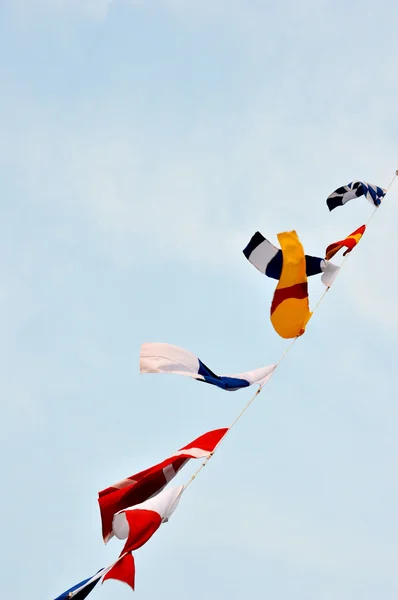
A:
{"x": 355, "y": 189}
{"x": 166, "y": 358}
{"x": 268, "y": 259}
{"x": 81, "y": 590}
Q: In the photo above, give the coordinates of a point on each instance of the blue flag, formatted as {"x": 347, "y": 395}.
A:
{"x": 81, "y": 590}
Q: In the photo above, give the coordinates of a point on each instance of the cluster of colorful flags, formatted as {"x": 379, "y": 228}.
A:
{"x": 133, "y": 509}
{"x": 290, "y": 311}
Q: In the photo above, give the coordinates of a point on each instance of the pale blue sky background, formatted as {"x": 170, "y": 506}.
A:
{"x": 142, "y": 144}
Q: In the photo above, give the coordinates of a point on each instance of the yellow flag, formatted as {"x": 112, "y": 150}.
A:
{"x": 290, "y": 311}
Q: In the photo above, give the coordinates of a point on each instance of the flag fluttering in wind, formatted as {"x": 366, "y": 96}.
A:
{"x": 349, "y": 242}
{"x": 355, "y": 189}
{"x": 290, "y": 306}
{"x": 81, "y": 590}
{"x": 268, "y": 259}
{"x": 156, "y": 357}
{"x": 146, "y": 484}
{"x": 137, "y": 525}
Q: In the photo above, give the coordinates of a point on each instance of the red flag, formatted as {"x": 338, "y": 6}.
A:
{"x": 148, "y": 483}
{"x": 123, "y": 570}
{"x": 349, "y": 242}
{"x": 138, "y": 524}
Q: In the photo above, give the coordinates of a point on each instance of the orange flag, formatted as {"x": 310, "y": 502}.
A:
{"x": 349, "y": 242}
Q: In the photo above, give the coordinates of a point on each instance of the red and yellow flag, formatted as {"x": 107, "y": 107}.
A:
{"x": 349, "y": 242}
{"x": 290, "y": 307}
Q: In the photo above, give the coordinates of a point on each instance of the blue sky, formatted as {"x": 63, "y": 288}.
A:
{"x": 142, "y": 144}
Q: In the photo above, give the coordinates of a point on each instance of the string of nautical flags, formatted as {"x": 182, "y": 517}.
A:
{"x": 133, "y": 509}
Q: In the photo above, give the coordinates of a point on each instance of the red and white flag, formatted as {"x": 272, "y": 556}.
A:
{"x": 146, "y": 484}
{"x": 137, "y": 525}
